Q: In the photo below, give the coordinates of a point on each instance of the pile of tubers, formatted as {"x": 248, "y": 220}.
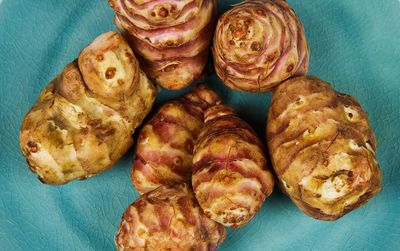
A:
{"x": 197, "y": 165}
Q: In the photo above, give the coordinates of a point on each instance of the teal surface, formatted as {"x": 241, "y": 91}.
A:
{"x": 355, "y": 45}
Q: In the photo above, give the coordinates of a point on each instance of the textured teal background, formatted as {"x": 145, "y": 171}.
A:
{"x": 355, "y": 45}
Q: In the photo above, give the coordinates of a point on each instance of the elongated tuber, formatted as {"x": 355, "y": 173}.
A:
{"x": 168, "y": 218}
{"x": 171, "y": 37}
{"x": 165, "y": 144}
{"x": 84, "y": 119}
{"x": 230, "y": 174}
{"x": 322, "y": 148}
{"x": 258, "y": 44}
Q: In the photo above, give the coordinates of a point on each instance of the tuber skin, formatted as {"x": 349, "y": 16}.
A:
{"x": 165, "y": 144}
{"x": 322, "y": 148}
{"x": 168, "y": 218}
{"x": 84, "y": 119}
{"x": 231, "y": 178}
{"x": 258, "y": 44}
{"x": 172, "y": 38}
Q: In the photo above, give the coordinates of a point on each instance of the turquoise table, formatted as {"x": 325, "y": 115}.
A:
{"x": 355, "y": 46}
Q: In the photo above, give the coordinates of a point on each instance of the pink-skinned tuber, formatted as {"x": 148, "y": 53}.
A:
{"x": 172, "y": 38}
{"x": 258, "y": 44}
{"x": 231, "y": 178}
{"x": 168, "y": 218}
{"x": 165, "y": 144}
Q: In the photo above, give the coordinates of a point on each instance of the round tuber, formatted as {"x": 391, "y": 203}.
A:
{"x": 258, "y": 44}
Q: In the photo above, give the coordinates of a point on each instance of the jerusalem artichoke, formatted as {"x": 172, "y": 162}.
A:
{"x": 171, "y": 37}
{"x": 165, "y": 144}
{"x": 322, "y": 148}
{"x": 230, "y": 175}
{"x": 258, "y": 44}
{"x": 84, "y": 119}
{"x": 168, "y": 218}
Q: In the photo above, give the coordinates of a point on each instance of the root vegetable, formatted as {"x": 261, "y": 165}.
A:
{"x": 171, "y": 37}
{"x": 258, "y": 44}
{"x": 84, "y": 119}
{"x": 165, "y": 144}
{"x": 168, "y": 218}
{"x": 230, "y": 175}
{"x": 322, "y": 148}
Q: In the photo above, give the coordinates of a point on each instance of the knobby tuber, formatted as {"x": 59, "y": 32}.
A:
{"x": 258, "y": 44}
{"x": 322, "y": 148}
{"x": 84, "y": 119}
{"x": 168, "y": 218}
{"x": 172, "y": 38}
{"x": 164, "y": 149}
{"x": 231, "y": 178}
